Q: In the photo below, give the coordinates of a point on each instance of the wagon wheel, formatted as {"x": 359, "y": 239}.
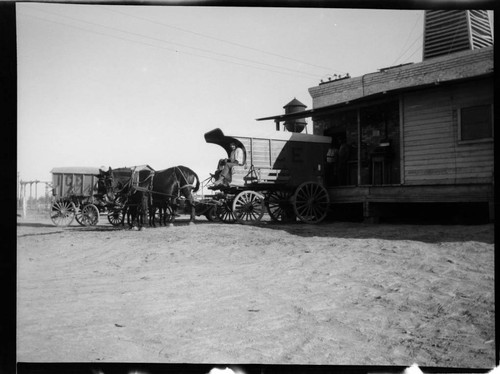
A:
{"x": 168, "y": 217}
{"x": 211, "y": 214}
{"x": 248, "y": 207}
{"x": 224, "y": 212}
{"x": 62, "y": 212}
{"x": 279, "y": 206}
{"x": 310, "y": 202}
{"x": 116, "y": 216}
{"x": 88, "y": 215}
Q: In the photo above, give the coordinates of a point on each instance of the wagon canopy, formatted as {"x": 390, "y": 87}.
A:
{"x": 216, "y": 136}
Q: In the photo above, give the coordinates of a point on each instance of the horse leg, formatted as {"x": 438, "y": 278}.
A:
{"x": 133, "y": 217}
{"x": 151, "y": 215}
{"x": 141, "y": 211}
{"x": 169, "y": 221}
{"x": 161, "y": 214}
{"x": 130, "y": 216}
{"x": 190, "y": 201}
{"x": 125, "y": 212}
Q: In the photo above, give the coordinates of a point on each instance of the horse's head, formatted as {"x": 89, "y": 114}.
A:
{"x": 121, "y": 180}
{"x": 105, "y": 183}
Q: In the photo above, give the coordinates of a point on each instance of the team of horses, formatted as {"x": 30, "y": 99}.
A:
{"x": 149, "y": 195}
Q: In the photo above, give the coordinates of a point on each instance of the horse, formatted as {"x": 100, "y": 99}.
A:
{"x": 168, "y": 185}
{"x": 104, "y": 187}
{"x": 135, "y": 188}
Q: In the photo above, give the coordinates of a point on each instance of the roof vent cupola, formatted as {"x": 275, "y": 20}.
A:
{"x": 449, "y": 31}
{"x": 295, "y": 125}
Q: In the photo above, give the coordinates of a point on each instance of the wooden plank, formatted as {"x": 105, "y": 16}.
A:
{"x": 428, "y": 115}
{"x": 440, "y": 130}
{"x": 418, "y": 164}
{"x": 429, "y": 156}
{"x": 464, "y": 151}
{"x": 428, "y": 152}
{"x": 466, "y": 161}
{"x": 428, "y": 139}
{"x": 485, "y": 170}
{"x": 439, "y": 146}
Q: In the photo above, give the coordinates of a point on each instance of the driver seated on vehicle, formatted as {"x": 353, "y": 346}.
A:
{"x": 225, "y": 167}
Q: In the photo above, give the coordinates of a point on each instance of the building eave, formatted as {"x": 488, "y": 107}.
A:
{"x": 324, "y": 110}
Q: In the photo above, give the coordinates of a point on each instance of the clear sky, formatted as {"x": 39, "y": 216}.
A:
{"x": 103, "y": 85}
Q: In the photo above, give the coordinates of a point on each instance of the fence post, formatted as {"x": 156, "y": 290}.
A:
{"x": 25, "y": 203}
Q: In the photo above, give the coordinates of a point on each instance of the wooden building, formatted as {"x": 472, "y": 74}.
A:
{"x": 411, "y": 135}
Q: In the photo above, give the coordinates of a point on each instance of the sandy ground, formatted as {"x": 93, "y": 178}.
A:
{"x": 334, "y": 293}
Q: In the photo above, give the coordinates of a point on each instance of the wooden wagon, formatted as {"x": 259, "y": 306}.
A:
{"x": 282, "y": 176}
{"x": 77, "y": 195}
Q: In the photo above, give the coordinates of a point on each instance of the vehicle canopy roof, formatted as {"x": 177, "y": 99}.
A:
{"x": 76, "y": 170}
{"x": 216, "y": 136}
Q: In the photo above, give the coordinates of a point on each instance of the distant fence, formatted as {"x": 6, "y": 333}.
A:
{"x": 28, "y": 201}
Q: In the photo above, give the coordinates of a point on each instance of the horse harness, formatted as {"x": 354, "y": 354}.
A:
{"x": 133, "y": 183}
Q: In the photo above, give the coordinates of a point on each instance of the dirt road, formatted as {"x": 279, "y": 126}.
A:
{"x": 333, "y": 293}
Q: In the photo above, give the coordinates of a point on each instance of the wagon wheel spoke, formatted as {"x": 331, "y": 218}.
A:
{"x": 224, "y": 212}
{"x": 279, "y": 206}
{"x": 88, "y": 215}
{"x": 211, "y": 214}
{"x": 62, "y": 212}
{"x": 311, "y": 202}
{"x": 78, "y": 215}
{"x": 115, "y": 217}
{"x": 248, "y": 207}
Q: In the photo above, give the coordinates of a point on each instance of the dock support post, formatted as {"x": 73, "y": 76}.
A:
{"x": 368, "y": 213}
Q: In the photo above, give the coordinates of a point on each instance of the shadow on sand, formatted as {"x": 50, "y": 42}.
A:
{"x": 426, "y": 233}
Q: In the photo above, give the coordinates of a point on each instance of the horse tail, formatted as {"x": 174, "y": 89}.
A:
{"x": 197, "y": 187}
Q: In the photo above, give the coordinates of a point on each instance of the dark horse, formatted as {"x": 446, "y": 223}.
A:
{"x": 168, "y": 186}
{"x": 133, "y": 187}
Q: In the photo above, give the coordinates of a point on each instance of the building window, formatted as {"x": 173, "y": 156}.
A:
{"x": 476, "y": 123}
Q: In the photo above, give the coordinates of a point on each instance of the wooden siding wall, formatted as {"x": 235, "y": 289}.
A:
{"x": 74, "y": 184}
{"x": 299, "y": 158}
{"x": 433, "y": 153}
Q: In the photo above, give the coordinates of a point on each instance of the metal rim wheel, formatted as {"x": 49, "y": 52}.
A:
{"x": 169, "y": 216}
{"x": 62, "y": 212}
{"x": 311, "y": 202}
{"x": 248, "y": 207}
{"x": 224, "y": 212}
{"x": 78, "y": 215}
{"x": 280, "y": 207}
{"x": 211, "y": 214}
{"x": 88, "y": 215}
{"x": 116, "y": 216}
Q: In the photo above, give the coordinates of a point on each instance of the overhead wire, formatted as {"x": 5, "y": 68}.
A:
{"x": 170, "y": 49}
{"x": 173, "y": 43}
{"x": 419, "y": 38}
{"x": 408, "y": 38}
{"x": 222, "y": 40}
